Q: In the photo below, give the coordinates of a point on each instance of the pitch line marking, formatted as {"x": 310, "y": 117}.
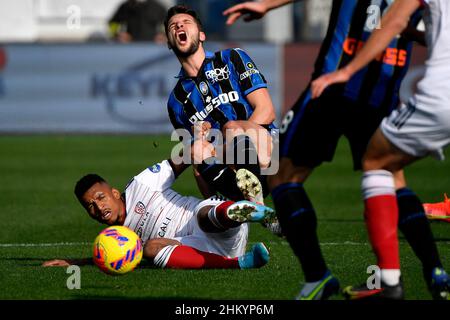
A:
{"x": 73, "y": 244}
{"x": 56, "y": 244}
{"x": 344, "y": 243}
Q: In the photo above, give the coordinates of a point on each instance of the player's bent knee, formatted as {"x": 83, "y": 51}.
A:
{"x": 369, "y": 163}
{"x": 153, "y": 246}
{"x": 151, "y": 249}
{"x": 374, "y": 160}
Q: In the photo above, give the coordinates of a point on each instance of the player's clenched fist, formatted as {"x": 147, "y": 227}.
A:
{"x": 201, "y": 129}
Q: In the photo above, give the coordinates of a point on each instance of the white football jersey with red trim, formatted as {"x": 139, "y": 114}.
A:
{"x": 156, "y": 211}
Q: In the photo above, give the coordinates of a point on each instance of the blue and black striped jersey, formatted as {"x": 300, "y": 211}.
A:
{"x": 218, "y": 93}
{"x": 351, "y": 23}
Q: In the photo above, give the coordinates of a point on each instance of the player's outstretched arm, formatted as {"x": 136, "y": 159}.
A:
{"x": 252, "y": 10}
{"x": 393, "y": 23}
{"x": 67, "y": 262}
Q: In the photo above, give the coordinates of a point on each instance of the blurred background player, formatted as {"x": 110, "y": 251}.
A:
{"x": 177, "y": 231}
{"x": 311, "y": 129}
{"x": 225, "y": 91}
{"x": 418, "y": 128}
{"x": 138, "y": 20}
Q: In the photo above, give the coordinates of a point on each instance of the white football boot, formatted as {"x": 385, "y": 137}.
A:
{"x": 252, "y": 190}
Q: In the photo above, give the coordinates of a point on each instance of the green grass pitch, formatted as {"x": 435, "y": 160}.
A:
{"x": 42, "y": 220}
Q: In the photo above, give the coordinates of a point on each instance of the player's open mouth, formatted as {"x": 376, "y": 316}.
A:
{"x": 106, "y": 215}
{"x": 182, "y": 36}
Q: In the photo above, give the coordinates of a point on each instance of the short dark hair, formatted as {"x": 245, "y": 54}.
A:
{"x": 85, "y": 183}
{"x": 181, "y": 8}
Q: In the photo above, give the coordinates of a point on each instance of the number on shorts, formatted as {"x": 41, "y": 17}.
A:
{"x": 286, "y": 121}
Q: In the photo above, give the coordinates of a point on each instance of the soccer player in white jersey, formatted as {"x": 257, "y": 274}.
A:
{"x": 420, "y": 127}
{"x": 177, "y": 231}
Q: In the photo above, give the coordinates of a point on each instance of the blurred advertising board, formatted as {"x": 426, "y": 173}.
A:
{"x": 101, "y": 88}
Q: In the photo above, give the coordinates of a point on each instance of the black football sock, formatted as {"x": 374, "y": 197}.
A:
{"x": 299, "y": 223}
{"x": 265, "y": 186}
{"x": 245, "y": 155}
{"x": 416, "y": 228}
{"x": 221, "y": 177}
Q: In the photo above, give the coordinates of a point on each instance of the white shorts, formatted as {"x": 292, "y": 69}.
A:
{"x": 418, "y": 129}
{"x": 230, "y": 243}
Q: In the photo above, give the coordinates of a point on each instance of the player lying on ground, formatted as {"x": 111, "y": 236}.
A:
{"x": 228, "y": 91}
{"x": 418, "y": 128}
{"x": 310, "y": 131}
{"x": 177, "y": 231}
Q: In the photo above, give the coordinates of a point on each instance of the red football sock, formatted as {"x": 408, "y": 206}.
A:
{"x": 219, "y": 217}
{"x": 185, "y": 257}
{"x": 381, "y": 214}
{"x": 381, "y": 219}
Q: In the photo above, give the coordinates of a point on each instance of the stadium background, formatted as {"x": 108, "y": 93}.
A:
{"x": 72, "y": 101}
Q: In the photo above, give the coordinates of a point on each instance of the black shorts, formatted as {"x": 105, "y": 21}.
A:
{"x": 310, "y": 131}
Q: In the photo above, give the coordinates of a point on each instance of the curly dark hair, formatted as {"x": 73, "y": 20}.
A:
{"x": 181, "y": 9}
{"x": 85, "y": 183}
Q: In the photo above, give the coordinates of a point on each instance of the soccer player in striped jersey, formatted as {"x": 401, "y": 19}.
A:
{"x": 177, "y": 231}
{"x": 226, "y": 90}
{"x": 311, "y": 129}
{"x": 418, "y": 128}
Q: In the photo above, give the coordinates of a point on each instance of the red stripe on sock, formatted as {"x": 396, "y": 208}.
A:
{"x": 381, "y": 213}
{"x": 185, "y": 257}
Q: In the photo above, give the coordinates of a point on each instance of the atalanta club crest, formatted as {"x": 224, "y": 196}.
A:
{"x": 203, "y": 88}
{"x": 140, "y": 208}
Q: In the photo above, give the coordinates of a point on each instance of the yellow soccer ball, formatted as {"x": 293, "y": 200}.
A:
{"x": 117, "y": 250}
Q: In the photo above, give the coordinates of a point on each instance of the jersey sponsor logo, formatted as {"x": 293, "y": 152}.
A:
{"x": 213, "y": 103}
{"x": 163, "y": 229}
{"x": 248, "y": 73}
{"x": 140, "y": 229}
{"x": 218, "y": 74}
{"x": 390, "y": 56}
{"x": 140, "y": 208}
{"x": 155, "y": 168}
{"x": 203, "y": 88}
{"x": 251, "y": 70}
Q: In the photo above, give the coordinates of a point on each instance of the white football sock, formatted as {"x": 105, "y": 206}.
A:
{"x": 391, "y": 277}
